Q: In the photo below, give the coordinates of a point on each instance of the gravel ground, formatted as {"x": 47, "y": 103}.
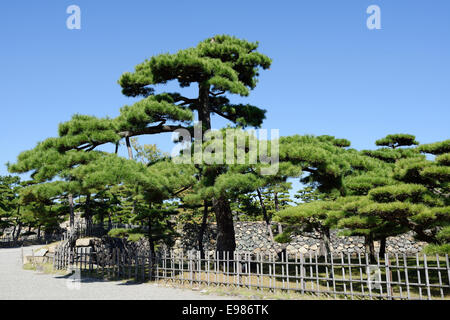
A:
{"x": 16, "y": 283}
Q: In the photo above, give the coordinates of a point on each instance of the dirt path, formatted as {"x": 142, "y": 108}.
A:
{"x": 16, "y": 283}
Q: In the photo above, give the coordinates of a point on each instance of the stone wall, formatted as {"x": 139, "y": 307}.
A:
{"x": 253, "y": 237}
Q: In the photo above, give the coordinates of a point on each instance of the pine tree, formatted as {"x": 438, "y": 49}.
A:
{"x": 52, "y": 160}
{"x": 412, "y": 194}
{"x": 420, "y": 202}
{"x": 276, "y": 197}
{"x": 327, "y": 163}
{"x": 313, "y": 217}
{"x": 218, "y": 65}
{"x": 309, "y": 194}
{"x": 9, "y": 205}
{"x": 372, "y": 227}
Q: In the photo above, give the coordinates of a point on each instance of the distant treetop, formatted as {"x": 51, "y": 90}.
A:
{"x": 397, "y": 140}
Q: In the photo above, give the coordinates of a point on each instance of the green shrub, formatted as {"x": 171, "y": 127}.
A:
{"x": 135, "y": 237}
{"x": 437, "y": 249}
{"x": 118, "y": 233}
{"x": 283, "y": 238}
{"x": 132, "y": 235}
{"x": 444, "y": 235}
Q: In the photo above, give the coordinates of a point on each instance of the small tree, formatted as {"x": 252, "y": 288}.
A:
{"x": 420, "y": 202}
{"x": 415, "y": 198}
{"x": 314, "y": 217}
{"x": 372, "y": 227}
{"x": 327, "y": 164}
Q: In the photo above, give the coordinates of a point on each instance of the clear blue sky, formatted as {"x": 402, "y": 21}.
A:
{"x": 330, "y": 74}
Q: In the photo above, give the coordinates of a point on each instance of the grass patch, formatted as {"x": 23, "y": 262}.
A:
{"x": 437, "y": 249}
{"x": 244, "y": 293}
{"x": 46, "y": 268}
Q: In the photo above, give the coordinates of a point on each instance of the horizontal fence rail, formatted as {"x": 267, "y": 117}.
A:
{"x": 336, "y": 276}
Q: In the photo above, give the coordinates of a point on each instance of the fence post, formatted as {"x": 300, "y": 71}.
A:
{"x": 80, "y": 259}
{"x": 249, "y": 270}
{"x": 217, "y": 267}
{"x": 302, "y": 273}
{"x": 399, "y": 277}
{"x": 282, "y": 271}
{"x": 85, "y": 258}
{"x": 287, "y": 270}
{"x": 143, "y": 267}
{"x": 333, "y": 275}
{"x": 144, "y": 258}
{"x": 238, "y": 268}
{"x": 388, "y": 276}
{"x": 208, "y": 263}
{"x": 448, "y": 268}
{"x": 418, "y": 276}
{"x": 136, "y": 265}
{"x": 151, "y": 259}
{"x": 361, "y": 272}
{"x": 182, "y": 265}
{"x": 343, "y": 275}
{"x": 316, "y": 262}
{"x": 155, "y": 262}
{"x": 191, "y": 272}
{"x": 228, "y": 268}
{"x": 406, "y": 275}
{"x": 172, "y": 264}
{"x": 427, "y": 280}
{"x": 439, "y": 275}
{"x": 273, "y": 272}
{"x": 369, "y": 282}
{"x": 350, "y": 274}
{"x": 380, "y": 276}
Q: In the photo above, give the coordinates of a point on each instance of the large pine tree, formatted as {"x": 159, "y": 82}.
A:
{"x": 216, "y": 66}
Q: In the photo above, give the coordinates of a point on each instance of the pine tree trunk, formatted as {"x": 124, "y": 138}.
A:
{"x": 203, "y": 111}
{"x": 325, "y": 243}
{"x": 130, "y": 151}
{"x": 87, "y": 214}
{"x": 17, "y": 223}
{"x": 72, "y": 217}
{"x": 202, "y": 230}
{"x": 382, "y": 247}
{"x": 370, "y": 248}
{"x": 39, "y": 232}
{"x": 150, "y": 237}
{"x": 19, "y": 230}
{"x": 225, "y": 229}
{"x": 102, "y": 223}
{"x": 277, "y": 205}
{"x": 265, "y": 216}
